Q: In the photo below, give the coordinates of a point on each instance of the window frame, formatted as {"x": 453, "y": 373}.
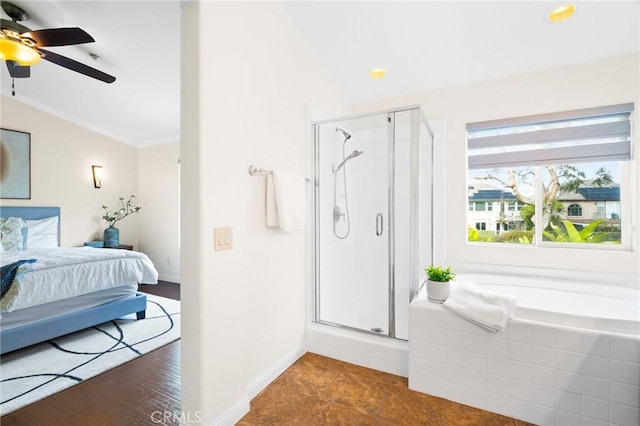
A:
{"x": 512, "y": 142}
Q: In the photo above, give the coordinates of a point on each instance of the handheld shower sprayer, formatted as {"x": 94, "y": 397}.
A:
{"x": 338, "y": 215}
{"x": 354, "y": 154}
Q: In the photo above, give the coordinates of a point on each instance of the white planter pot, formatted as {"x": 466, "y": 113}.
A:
{"x": 437, "y": 292}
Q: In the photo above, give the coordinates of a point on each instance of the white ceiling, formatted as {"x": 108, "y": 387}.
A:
{"x": 426, "y": 45}
{"x": 139, "y": 43}
{"x": 423, "y": 45}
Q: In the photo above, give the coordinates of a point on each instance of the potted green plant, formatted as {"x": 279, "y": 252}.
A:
{"x": 438, "y": 279}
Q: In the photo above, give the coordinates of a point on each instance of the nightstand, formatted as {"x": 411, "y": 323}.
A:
{"x": 122, "y": 247}
{"x": 94, "y": 244}
{"x": 100, "y": 244}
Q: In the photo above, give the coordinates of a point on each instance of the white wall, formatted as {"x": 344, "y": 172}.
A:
{"x": 61, "y": 157}
{"x": 158, "y": 187}
{"x": 247, "y": 78}
{"x": 603, "y": 82}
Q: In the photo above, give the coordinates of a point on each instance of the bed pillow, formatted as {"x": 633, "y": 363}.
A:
{"x": 42, "y": 233}
{"x": 11, "y": 234}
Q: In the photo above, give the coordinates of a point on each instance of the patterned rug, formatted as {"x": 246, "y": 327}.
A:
{"x": 30, "y": 374}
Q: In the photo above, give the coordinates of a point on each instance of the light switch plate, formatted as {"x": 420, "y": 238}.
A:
{"x": 222, "y": 238}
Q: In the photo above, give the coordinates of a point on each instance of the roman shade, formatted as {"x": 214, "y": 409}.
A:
{"x": 602, "y": 133}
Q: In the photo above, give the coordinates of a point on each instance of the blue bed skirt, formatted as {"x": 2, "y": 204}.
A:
{"x": 30, "y": 334}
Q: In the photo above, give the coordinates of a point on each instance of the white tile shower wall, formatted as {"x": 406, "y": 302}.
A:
{"x": 536, "y": 373}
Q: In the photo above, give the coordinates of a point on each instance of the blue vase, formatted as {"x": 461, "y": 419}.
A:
{"x": 111, "y": 237}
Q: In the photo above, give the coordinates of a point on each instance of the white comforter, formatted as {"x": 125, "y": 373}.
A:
{"x": 66, "y": 272}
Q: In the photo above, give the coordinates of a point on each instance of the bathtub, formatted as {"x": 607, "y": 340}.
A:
{"x": 587, "y": 306}
{"x": 570, "y": 355}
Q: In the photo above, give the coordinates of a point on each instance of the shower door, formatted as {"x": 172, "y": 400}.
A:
{"x": 353, "y": 165}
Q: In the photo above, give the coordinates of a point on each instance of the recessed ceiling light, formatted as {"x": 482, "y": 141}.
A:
{"x": 562, "y": 12}
{"x": 377, "y": 73}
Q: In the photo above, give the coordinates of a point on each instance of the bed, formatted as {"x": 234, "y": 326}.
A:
{"x": 60, "y": 290}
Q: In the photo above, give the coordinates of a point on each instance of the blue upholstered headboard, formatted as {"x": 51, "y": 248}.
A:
{"x": 31, "y": 213}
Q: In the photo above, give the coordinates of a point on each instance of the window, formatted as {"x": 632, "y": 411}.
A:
{"x": 565, "y": 171}
{"x": 574, "y": 210}
{"x": 481, "y": 226}
{"x": 608, "y": 209}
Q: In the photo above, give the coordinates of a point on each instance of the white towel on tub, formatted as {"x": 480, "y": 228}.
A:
{"x": 290, "y": 201}
{"x": 484, "y": 308}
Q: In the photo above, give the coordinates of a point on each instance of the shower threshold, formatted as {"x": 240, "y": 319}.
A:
{"x": 375, "y": 331}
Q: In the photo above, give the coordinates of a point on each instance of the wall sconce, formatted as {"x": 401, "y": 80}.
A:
{"x": 97, "y": 176}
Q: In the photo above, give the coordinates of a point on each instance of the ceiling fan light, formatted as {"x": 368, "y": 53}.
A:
{"x": 11, "y": 50}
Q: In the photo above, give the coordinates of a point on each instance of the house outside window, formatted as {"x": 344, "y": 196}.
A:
{"x": 563, "y": 171}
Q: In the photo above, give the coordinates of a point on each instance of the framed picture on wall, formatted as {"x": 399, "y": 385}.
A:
{"x": 15, "y": 164}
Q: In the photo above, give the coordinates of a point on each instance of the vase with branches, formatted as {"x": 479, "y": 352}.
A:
{"x": 112, "y": 234}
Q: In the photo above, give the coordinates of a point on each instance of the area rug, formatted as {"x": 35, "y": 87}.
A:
{"x": 30, "y": 374}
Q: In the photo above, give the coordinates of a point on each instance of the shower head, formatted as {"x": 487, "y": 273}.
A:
{"x": 346, "y": 135}
{"x": 354, "y": 154}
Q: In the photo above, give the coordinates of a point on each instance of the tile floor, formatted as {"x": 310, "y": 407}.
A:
{"x": 317, "y": 390}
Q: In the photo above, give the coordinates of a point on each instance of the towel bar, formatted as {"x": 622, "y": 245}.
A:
{"x": 253, "y": 170}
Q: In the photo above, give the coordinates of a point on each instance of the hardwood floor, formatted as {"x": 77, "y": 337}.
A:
{"x": 314, "y": 391}
{"x": 143, "y": 391}
{"x": 163, "y": 288}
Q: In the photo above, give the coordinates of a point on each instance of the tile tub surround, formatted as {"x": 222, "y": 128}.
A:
{"x": 542, "y": 374}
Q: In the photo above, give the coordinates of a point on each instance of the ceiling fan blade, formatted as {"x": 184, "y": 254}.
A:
{"x": 18, "y": 71}
{"x": 76, "y": 66}
{"x": 59, "y": 36}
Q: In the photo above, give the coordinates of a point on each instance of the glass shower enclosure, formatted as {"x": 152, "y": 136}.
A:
{"x": 372, "y": 216}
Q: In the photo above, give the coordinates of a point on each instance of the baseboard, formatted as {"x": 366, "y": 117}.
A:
{"x": 171, "y": 278}
{"x": 235, "y": 413}
{"x": 241, "y": 408}
{"x": 257, "y": 385}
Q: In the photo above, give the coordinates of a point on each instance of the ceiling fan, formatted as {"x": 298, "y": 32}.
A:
{"x": 20, "y": 47}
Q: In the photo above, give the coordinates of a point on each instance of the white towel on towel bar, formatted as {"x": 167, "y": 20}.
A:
{"x": 286, "y": 201}
{"x": 484, "y": 308}
{"x": 271, "y": 207}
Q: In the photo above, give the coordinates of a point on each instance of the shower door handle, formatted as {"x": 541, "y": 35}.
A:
{"x": 379, "y": 224}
